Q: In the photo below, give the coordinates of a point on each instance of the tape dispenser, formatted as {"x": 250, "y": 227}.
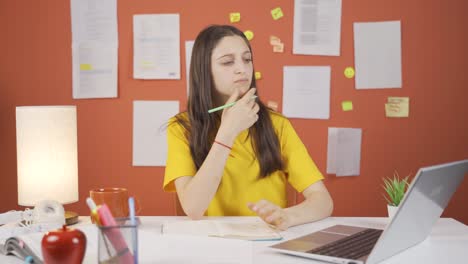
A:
{"x": 46, "y": 215}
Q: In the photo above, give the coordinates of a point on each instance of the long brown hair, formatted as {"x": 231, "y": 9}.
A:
{"x": 201, "y": 127}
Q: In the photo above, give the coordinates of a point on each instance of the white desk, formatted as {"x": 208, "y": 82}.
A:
{"x": 448, "y": 243}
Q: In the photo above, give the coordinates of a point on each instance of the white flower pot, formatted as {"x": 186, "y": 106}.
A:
{"x": 391, "y": 210}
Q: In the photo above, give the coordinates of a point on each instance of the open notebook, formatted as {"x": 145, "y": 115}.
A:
{"x": 23, "y": 246}
{"x": 29, "y": 244}
{"x": 254, "y": 230}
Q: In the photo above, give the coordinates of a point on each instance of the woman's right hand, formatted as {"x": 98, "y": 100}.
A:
{"x": 242, "y": 115}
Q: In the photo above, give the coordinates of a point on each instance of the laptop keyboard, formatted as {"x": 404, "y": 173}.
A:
{"x": 351, "y": 247}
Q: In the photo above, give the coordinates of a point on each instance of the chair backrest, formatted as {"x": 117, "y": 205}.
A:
{"x": 291, "y": 195}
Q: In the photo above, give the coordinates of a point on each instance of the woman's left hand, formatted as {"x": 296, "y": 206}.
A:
{"x": 271, "y": 214}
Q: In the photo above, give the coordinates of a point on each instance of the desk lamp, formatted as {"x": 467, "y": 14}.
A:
{"x": 47, "y": 159}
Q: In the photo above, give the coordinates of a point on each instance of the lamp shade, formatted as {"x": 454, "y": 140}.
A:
{"x": 47, "y": 159}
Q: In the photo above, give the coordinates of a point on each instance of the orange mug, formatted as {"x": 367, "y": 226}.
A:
{"x": 115, "y": 198}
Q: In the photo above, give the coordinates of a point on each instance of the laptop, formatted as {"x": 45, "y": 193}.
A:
{"x": 424, "y": 202}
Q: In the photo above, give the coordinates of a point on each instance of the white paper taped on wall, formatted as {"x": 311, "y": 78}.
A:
{"x": 344, "y": 151}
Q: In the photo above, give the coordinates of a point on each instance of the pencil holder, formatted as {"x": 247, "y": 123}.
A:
{"x": 119, "y": 243}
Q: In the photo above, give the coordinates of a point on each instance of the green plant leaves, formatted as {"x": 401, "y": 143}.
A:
{"x": 395, "y": 189}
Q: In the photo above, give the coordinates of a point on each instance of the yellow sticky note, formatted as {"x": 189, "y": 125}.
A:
{"x": 277, "y": 13}
{"x": 272, "y": 105}
{"x": 249, "y": 34}
{"x": 274, "y": 40}
{"x": 349, "y": 72}
{"x": 258, "y": 75}
{"x": 278, "y": 48}
{"x": 397, "y": 100}
{"x": 347, "y": 105}
{"x": 86, "y": 67}
{"x": 234, "y": 17}
{"x": 397, "y": 109}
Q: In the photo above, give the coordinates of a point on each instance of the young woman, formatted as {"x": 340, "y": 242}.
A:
{"x": 237, "y": 161}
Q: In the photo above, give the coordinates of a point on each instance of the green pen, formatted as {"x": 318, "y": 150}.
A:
{"x": 226, "y": 105}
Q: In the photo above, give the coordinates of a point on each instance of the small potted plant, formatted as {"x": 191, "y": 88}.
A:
{"x": 395, "y": 189}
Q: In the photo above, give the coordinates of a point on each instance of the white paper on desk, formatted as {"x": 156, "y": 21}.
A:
{"x": 94, "y": 20}
{"x": 254, "y": 230}
{"x": 91, "y": 233}
{"x": 344, "y": 151}
{"x": 377, "y": 55}
{"x": 180, "y": 249}
{"x": 317, "y": 26}
{"x": 188, "y": 58}
{"x": 306, "y": 92}
{"x": 94, "y": 70}
{"x": 156, "y": 47}
{"x": 149, "y": 131}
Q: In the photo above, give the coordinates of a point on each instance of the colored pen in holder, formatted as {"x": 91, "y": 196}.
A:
{"x": 117, "y": 237}
{"x": 93, "y": 208}
{"x": 116, "y": 243}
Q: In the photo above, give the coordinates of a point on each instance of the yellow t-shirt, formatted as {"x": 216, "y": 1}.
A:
{"x": 240, "y": 183}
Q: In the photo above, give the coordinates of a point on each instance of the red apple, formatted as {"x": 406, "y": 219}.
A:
{"x": 64, "y": 245}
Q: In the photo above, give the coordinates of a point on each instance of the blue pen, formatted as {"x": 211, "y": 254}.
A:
{"x": 131, "y": 205}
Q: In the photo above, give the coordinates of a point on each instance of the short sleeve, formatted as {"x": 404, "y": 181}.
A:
{"x": 299, "y": 166}
{"x": 179, "y": 160}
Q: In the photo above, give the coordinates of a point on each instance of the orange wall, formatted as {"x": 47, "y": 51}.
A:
{"x": 35, "y": 69}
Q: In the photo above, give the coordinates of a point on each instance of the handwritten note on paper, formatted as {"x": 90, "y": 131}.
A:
{"x": 344, "y": 151}
{"x": 398, "y": 100}
{"x": 397, "y": 107}
{"x": 274, "y": 40}
{"x": 234, "y": 17}
{"x": 277, "y": 13}
{"x": 278, "y": 46}
{"x": 149, "y": 131}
